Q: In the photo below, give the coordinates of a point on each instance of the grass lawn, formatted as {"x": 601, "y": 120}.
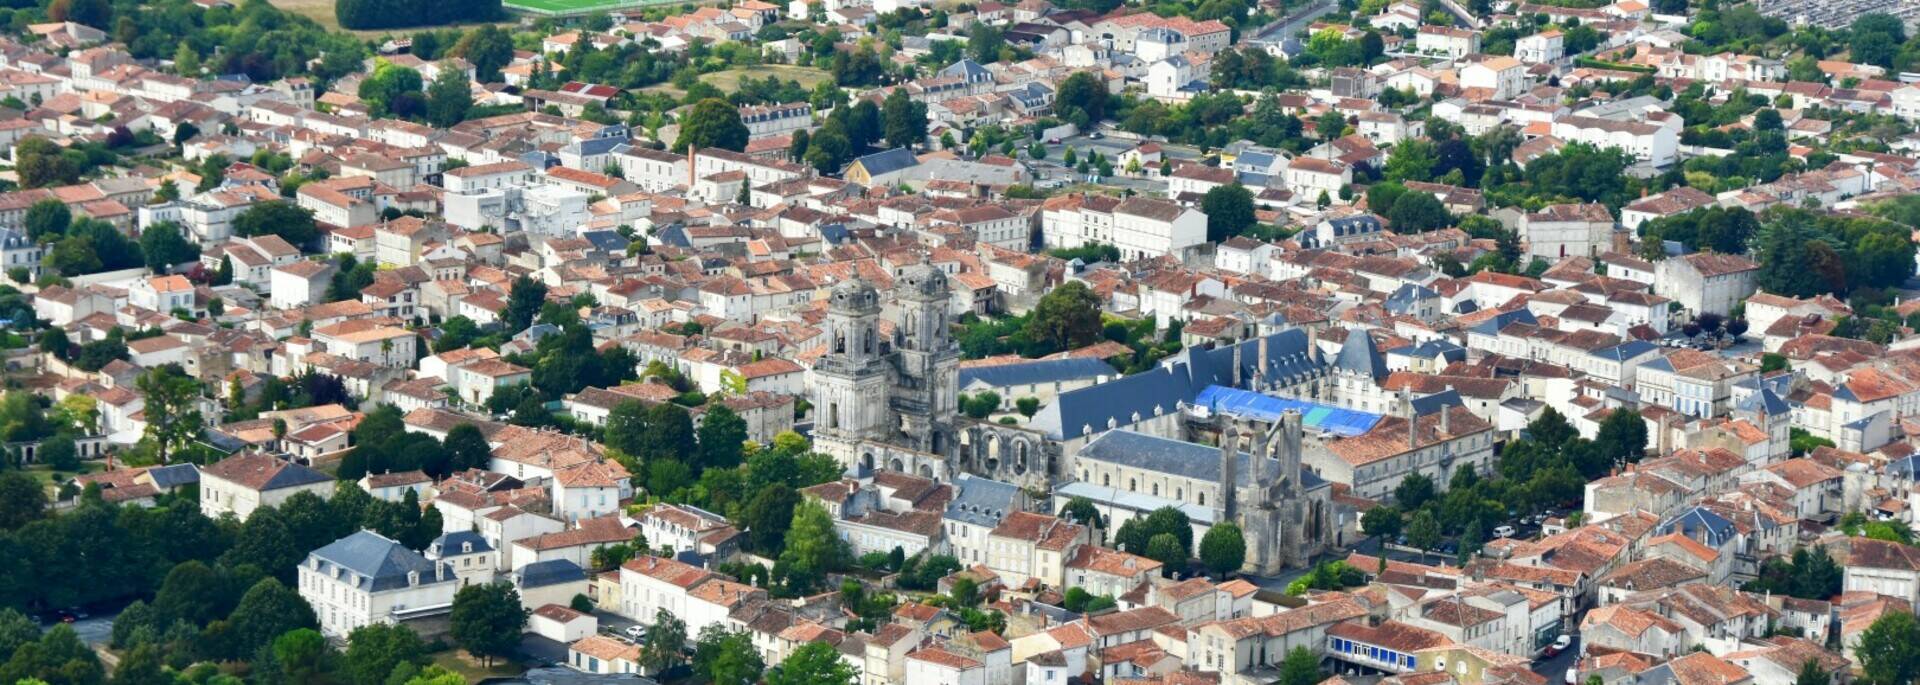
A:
{"x": 457, "y": 661}
{"x": 46, "y": 475}
{"x": 729, "y": 80}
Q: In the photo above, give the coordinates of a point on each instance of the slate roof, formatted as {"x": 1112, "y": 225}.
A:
{"x": 1039, "y": 371}
{"x": 455, "y": 543}
{"x": 1626, "y": 350}
{"x": 1440, "y": 349}
{"x": 1360, "y": 356}
{"x": 887, "y": 161}
{"x": 1493, "y": 325}
{"x": 1173, "y": 457}
{"x": 1701, "y": 524}
{"x": 550, "y": 572}
{"x": 1403, "y": 298}
{"x": 967, "y": 70}
{"x": 981, "y": 501}
{"x": 372, "y": 563}
{"x": 1087, "y": 410}
{"x": 1765, "y": 403}
{"x": 174, "y": 475}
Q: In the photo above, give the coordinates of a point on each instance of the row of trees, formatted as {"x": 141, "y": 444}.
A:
{"x": 384, "y": 14}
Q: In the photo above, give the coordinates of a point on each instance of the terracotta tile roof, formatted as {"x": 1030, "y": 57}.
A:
{"x": 667, "y": 571}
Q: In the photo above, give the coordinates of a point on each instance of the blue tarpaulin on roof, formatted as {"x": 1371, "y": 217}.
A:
{"x": 1316, "y": 416}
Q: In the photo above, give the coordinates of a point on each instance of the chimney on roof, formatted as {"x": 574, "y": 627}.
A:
{"x": 1446, "y": 416}
{"x": 1413, "y": 420}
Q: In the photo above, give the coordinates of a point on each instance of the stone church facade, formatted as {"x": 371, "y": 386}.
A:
{"x": 893, "y": 403}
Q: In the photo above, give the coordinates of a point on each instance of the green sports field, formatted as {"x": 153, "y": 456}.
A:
{"x": 566, "y": 7}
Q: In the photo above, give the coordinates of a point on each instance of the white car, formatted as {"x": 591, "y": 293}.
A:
{"x": 1573, "y": 676}
{"x": 1503, "y": 532}
{"x": 636, "y": 632}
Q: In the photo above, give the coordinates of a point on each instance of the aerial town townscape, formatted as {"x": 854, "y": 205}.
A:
{"x": 954, "y": 342}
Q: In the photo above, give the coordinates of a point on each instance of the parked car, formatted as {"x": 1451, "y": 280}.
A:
{"x": 1560, "y": 644}
{"x": 1573, "y": 676}
{"x": 637, "y": 632}
{"x": 1503, "y": 532}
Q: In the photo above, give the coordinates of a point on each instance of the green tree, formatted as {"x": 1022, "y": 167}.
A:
{"x": 727, "y": 658}
{"x": 142, "y": 666}
{"x": 489, "y": 48}
{"x": 905, "y": 119}
{"x": 1300, "y": 667}
{"x": 375, "y": 650}
{"x": 16, "y": 630}
{"x": 487, "y": 619}
{"x": 984, "y": 42}
{"x": 466, "y": 449}
{"x": 1414, "y": 490}
{"x": 767, "y": 517}
{"x": 291, "y": 222}
{"x": 23, "y": 500}
{"x": 57, "y": 658}
{"x": 1223, "y": 549}
{"x": 813, "y": 549}
{"x": 814, "y": 663}
{"x": 524, "y": 301}
{"x": 266, "y": 612}
{"x": 54, "y": 341}
{"x": 303, "y": 657}
{"x": 666, "y": 638}
{"x": 47, "y": 219}
{"x": 723, "y": 437}
{"x": 39, "y": 163}
{"x": 667, "y": 433}
{"x": 1622, "y": 436}
{"x": 1165, "y": 548}
{"x": 1812, "y": 674}
{"x": 1423, "y": 531}
{"x": 1889, "y": 651}
{"x": 1082, "y": 99}
{"x": 1027, "y": 406}
{"x": 173, "y": 417}
{"x": 1229, "y": 210}
{"x": 448, "y": 99}
{"x": 712, "y": 123}
{"x": 1418, "y": 213}
{"x": 1066, "y": 318}
{"x": 391, "y": 90}
{"x": 1384, "y": 521}
{"x": 164, "y": 245}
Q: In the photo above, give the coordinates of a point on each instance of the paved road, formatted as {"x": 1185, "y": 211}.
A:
{"x": 1555, "y": 669}
{"x": 1293, "y": 24}
{"x": 94, "y": 630}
